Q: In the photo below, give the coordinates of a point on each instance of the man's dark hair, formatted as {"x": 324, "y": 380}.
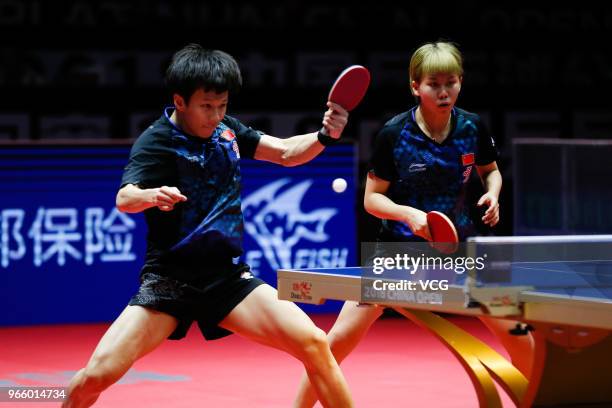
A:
{"x": 194, "y": 67}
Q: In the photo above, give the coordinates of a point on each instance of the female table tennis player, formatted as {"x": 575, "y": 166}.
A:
{"x": 421, "y": 162}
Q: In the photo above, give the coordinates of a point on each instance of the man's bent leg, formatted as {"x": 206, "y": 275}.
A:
{"x": 352, "y": 324}
{"x": 136, "y": 332}
{"x": 262, "y": 317}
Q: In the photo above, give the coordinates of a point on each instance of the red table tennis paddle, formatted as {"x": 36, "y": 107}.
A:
{"x": 444, "y": 236}
{"x": 350, "y": 87}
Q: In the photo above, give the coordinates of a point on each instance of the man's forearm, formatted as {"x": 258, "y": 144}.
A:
{"x": 301, "y": 149}
{"x": 131, "y": 199}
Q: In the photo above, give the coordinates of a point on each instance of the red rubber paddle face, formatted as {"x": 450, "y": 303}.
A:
{"x": 444, "y": 236}
{"x": 350, "y": 87}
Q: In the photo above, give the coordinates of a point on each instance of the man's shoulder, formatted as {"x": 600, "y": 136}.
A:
{"x": 158, "y": 132}
{"x": 247, "y": 137}
{"x": 232, "y": 123}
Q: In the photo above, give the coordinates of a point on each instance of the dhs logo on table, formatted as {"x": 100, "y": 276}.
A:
{"x": 288, "y": 236}
{"x": 301, "y": 291}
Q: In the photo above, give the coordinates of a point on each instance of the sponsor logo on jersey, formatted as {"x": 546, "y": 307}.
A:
{"x": 415, "y": 167}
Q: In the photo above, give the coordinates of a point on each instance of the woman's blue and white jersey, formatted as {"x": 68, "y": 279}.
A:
{"x": 428, "y": 175}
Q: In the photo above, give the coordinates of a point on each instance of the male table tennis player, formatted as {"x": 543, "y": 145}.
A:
{"x": 184, "y": 173}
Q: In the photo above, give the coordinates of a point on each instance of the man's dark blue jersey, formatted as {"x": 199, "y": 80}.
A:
{"x": 209, "y": 224}
{"x": 428, "y": 175}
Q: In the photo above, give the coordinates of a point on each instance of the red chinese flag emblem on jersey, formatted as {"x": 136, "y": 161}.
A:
{"x": 228, "y": 135}
{"x": 467, "y": 159}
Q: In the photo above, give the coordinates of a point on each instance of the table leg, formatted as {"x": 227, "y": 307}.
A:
{"x": 481, "y": 362}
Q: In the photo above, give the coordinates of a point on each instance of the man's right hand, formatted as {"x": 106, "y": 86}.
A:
{"x": 166, "y": 197}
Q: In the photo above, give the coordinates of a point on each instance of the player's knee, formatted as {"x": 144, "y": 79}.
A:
{"x": 94, "y": 380}
{"x": 101, "y": 373}
{"x": 315, "y": 345}
{"x": 317, "y": 339}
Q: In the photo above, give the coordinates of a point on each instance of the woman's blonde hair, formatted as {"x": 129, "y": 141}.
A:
{"x": 438, "y": 57}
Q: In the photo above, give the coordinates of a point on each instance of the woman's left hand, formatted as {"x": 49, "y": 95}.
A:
{"x": 491, "y": 215}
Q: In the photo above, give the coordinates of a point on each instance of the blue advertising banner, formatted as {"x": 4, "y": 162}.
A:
{"x": 67, "y": 255}
{"x": 293, "y": 218}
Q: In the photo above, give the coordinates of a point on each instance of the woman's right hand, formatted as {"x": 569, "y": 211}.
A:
{"x": 417, "y": 222}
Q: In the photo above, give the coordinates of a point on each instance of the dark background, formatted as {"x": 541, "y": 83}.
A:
{"x": 93, "y": 69}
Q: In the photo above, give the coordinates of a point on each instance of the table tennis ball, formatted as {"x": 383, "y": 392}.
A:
{"x": 339, "y": 185}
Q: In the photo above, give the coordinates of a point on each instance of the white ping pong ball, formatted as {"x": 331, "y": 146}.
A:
{"x": 339, "y": 185}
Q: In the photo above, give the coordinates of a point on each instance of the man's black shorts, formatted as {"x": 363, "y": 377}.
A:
{"x": 205, "y": 300}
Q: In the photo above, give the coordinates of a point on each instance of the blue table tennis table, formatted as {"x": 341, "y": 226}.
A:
{"x": 550, "y": 309}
